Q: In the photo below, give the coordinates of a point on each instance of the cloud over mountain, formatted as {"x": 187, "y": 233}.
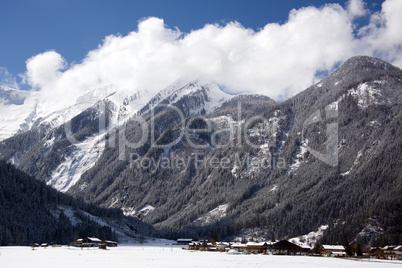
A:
{"x": 278, "y": 60}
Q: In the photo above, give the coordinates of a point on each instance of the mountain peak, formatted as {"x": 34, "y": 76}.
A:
{"x": 365, "y": 63}
{"x": 212, "y": 96}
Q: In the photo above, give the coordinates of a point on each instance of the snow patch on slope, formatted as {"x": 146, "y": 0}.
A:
{"x": 274, "y": 188}
{"x": 84, "y": 156}
{"x": 129, "y": 211}
{"x": 145, "y": 210}
{"x": 299, "y": 156}
{"x": 367, "y": 94}
{"x": 311, "y": 238}
{"x": 355, "y": 163}
{"x": 212, "y": 216}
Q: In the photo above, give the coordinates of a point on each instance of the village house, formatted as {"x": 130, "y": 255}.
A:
{"x": 92, "y": 242}
{"x": 239, "y": 247}
{"x": 285, "y": 247}
{"x": 392, "y": 252}
{"x": 333, "y": 251}
{"x": 184, "y": 241}
{"x": 258, "y": 247}
{"x": 77, "y": 243}
{"x": 195, "y": 245}
{"x": 377, "y": 252}
{"x": 202, "y": 245}
{"x": 207, "y": 246}
{"x": 223, "y": 246}
{"x": 111, "y": 244}
{"x": 398, "y": 252}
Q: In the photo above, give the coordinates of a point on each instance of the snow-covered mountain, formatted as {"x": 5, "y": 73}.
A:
{"x": 93, "y": 109}
{"x": 204, "y": 160}
{"x": 24, "y": 110}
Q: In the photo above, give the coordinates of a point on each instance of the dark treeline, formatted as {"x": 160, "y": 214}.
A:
{"x": 31, "y": 212}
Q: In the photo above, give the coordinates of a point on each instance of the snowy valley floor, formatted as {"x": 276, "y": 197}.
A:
{"x": 165, "y": 256}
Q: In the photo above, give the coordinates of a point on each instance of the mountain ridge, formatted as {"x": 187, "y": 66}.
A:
{"x": 292, "y": 166}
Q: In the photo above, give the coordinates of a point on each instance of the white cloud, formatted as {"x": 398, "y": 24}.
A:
{"x": 6, "y": 79}
{"x": 277, "y": 60}
{"x": 356, "y": 8}
{"x": 43, "y": 70}
{"x": 382, "y": 37}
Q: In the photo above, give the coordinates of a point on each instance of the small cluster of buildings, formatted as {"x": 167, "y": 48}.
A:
{"x": 93, "y": 242}
{"x": 282, "y": 247}
{"x": 43, "y": 245}
{"x": 387, "y": 252}
{"x": 285, "y": 247}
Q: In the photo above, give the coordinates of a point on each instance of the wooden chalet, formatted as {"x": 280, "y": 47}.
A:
{"x": 111, "y": 244}
{"x": 222, "y": 246}
{"x": 184, "y": 241}
{"x": 377, "y": 252}
{"x": 202, "y": 245}
{"x": 195, "y": 245}
{"x": 285, "y": 247}
{"x": 92, "y": 242}
{"x": 77, "y": 243}
{"x": 398, "y": 252}
{"x": 258, "y": 247}
{"x": 333, "y": 251}
{"x": 239, "y": 247}
{"x": 207, "y": 246}
{"x": 392, "y": 252}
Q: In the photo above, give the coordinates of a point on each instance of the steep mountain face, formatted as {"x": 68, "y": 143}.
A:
{"x": 59, "y": 155}
{"x": 21, "y": 111}
{"x": 32, "y": 212}
{"x": 194, "y": 160}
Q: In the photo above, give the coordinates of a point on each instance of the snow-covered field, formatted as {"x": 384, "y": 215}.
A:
{"x": 165, "y": 256}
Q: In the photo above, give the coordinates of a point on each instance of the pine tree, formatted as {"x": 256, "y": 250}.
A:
{"x": 20, "y": 240}
{"x": 348, "y": 248}
{"x": 317, "y": 248}
{"x": 359, "y": 249}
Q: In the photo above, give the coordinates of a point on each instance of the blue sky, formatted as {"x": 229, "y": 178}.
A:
{"x": 275, "y": 48}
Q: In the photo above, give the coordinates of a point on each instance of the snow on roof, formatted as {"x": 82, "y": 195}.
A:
{"x": 184, "y": 239}
{"x": 255, "y": 244}
{"x": 238, "y": 245}
{"x": 94, "y": 239}
{"x": 333, "y": 247}
{"x": 398, "y": 248}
